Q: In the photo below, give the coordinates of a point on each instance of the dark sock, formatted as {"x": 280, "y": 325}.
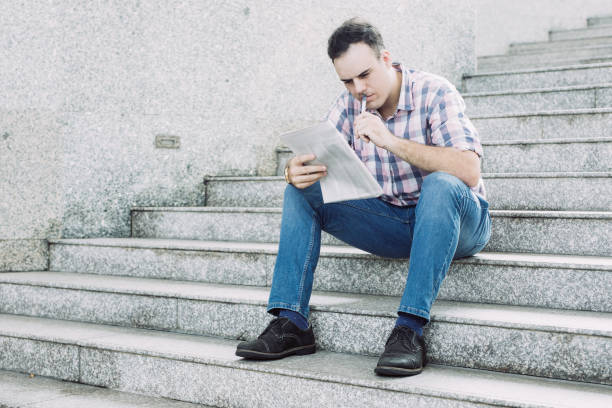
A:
{"x": 416, "y": 323}
{"x": 295, "y": 318}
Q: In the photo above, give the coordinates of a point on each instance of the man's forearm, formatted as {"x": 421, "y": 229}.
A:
{"x": 464, "y": 165}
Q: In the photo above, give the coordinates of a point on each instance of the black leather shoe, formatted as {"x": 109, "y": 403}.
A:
{"x": 280, "y": 339}
{"x": 404, "y": 354}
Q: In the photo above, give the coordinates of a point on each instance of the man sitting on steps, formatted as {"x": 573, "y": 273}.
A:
{"x": 425, "y": 153}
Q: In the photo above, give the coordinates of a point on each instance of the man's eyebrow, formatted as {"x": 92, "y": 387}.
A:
{"x": 362, "y": 74}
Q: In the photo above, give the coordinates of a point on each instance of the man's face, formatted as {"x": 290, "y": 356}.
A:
{"x": 362, "y": 72}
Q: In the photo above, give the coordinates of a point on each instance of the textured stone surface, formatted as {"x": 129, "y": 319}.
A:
{"x": 589, "y": 155}
{"x": 209, "y": 225}
{"x": 19, "y": 390}
{"x": 360, "y": 324}
{"x": 217, "y": 386}
{"x": 23, "y": 255}
{"x": 159, "y": 363}
{"x": 545, "y": 59}
{"x": 483, "y": 104}
{"x": 509, "y": 191}
{"x": 587, "y": 123}
{"x": 78, "y": 125}
{"x": 547, "y": 233}
{"x": 39, "y": 357}
{"x": 99, "y": 307}
{"x": 30, "y": 164}
{"x": 580, "y": 233}
{"x": 590, "y": 32}
{"x": 549, "y": 46}
{"x": 203, "y": 264}
{"x": 558, "y": 355}
{"x": 561, "y": 193}
{"x": 580, "y": 283}
{"x": 539, "y": 78}
{"x": 245, "y": 192}
{"x": 604, "y": 97}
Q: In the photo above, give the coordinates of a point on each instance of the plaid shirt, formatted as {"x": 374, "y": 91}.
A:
{"x": 429, "y": 111}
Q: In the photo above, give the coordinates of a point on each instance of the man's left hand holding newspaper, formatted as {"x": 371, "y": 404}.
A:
{"x": 302, "y": 175}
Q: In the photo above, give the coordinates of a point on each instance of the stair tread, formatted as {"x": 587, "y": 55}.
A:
{"x": 523, "y": 91}
{"x": 558, "y": 112}
{"x": 343, "y": 369}
{"x": 568, "y": 174}
{"x": 547, "y": 141}
{"x": 538, "y": 69}
{"x": 278, "y": 210}
{"x": 498, "y": 258}
{"x": 564, "y": 51}
{"x": 19, "y": 390}
{"x": 522, "y": 317}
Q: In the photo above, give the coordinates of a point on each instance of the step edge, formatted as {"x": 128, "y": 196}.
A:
{"x": 525, "y": 91}
{"x": 578, "y": 262}
{"x": 461, "y": 317}
{"x": 539, "y": 69}
{"x": 553, "y": 51}
{"x": 560, "y": 174}
{"x": 578, "y": 388}
{"x": 278, "y": 210}
{"x": 560, "y": 112}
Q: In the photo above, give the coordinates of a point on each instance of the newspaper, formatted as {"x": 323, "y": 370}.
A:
{"x": 347, "y": 177}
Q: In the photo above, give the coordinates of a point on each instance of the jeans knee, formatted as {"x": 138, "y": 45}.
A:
{"x": 441, "y": 182}
{"x": 312, "y": 195}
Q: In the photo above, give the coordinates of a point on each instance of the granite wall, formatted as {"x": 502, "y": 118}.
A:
{"x": 85, "y": 88}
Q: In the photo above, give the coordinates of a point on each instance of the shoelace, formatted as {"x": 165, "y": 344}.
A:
{"x": 394, "y": 337}
{"x": 273, "y": 324}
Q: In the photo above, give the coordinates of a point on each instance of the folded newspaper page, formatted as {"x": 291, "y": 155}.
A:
{"x": 347, "y": 177}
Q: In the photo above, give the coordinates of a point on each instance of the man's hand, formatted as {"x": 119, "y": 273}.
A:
{"x": 302, "y": 175}
{"x": 371, "y": 128}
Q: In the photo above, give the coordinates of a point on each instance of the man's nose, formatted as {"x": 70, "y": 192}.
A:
{"x": 360, "y": 86}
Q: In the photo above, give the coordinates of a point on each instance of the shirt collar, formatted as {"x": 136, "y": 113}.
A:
{"x": 405, "y": 98}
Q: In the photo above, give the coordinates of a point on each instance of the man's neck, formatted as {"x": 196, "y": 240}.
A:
{"x": 390, "y": 106}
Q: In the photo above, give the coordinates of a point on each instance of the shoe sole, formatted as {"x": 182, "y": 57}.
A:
{"x": 260, "y": 355}
{"x": 396, "y": 371}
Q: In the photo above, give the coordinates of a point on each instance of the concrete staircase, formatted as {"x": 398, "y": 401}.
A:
{"x": 526, "y": 323}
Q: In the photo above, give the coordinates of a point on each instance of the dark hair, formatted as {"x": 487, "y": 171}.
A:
{"x": 354, "y": 31}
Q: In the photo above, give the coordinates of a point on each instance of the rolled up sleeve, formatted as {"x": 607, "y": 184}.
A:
{"x": 450, "y": 127}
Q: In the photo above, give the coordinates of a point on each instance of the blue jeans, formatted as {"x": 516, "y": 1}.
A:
{"x": 448, "y": 222}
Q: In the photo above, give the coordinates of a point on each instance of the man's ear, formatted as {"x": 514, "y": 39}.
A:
{"x": 385, "y": 56}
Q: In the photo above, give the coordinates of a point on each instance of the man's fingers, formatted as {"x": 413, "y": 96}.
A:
{"x": 299, "y": 170}
{"x": 307, "y": 178}
{"x": 301, "y": 159}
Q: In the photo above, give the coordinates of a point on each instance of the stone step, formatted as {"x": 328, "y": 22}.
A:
{"x": 599, "y": 20}
{"x": 551, "y": 46}
{"x": 205, "y": 370}
{"x": 575, "y": 75}
{"x": 581, "y": 33}
{"x": 555, "y": 281}
{"x": 18, "y": 390}
{"x": 556, "y": 232}
{"x": 563, "y": 57}
{"x": 527, "y": 100}
{"x": 571, "y": 124}
{"x": 553, "y": 155}
{"x": 505, "y": 191}
{"x": 521, "y": 340}
{"x": 533, "y": 156}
